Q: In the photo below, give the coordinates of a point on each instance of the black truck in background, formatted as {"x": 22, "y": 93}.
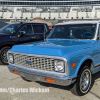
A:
{"x": 19, "y": 33}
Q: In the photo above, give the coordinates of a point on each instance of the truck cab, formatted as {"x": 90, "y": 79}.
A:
{"x": 68, "y": 56}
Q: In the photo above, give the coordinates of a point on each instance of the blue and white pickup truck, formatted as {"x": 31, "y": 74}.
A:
{"x": 70, "y": 55}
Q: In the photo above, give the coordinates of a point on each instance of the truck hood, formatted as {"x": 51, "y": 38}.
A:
{"x": 52, "y": 47}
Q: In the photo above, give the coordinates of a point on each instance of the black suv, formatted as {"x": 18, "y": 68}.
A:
{"x": 19, "y": 33}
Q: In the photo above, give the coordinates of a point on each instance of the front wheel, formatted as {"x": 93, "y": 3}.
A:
{"x": 3, "y": 55}
{"x": 83, "y": 82}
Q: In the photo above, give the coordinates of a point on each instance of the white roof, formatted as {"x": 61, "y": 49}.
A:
{"x": 78, "y": 22}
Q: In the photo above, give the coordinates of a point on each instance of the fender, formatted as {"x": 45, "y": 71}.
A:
{"x": 82, "y": 61}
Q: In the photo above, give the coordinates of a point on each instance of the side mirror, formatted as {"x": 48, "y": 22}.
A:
{"x": 21, "y": 33}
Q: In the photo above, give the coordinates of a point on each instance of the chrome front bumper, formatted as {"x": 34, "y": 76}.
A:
{"x": 64, "y": 81}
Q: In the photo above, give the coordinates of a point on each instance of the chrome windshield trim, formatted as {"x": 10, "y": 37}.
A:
{"x": 82, "y": 22}
{"x": 96, "y": 32}
{"x": 66, "y": 73}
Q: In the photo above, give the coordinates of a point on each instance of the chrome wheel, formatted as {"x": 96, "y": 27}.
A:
{"x": 4, "y": 56}
{"x": 84, "y": 81}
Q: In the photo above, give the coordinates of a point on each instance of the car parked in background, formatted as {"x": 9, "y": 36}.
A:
{"x": 19, "y": 33}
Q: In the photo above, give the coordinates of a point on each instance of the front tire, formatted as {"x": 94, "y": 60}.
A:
{"x": 83, "y": 82}
{"x": 3, "y": 55}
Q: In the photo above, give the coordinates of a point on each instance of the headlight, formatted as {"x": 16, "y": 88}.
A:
{"x": 59, "y": 66}
{"x": 10, "y": 58}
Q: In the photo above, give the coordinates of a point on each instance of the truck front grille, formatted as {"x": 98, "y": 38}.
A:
{"x": 34, "y": 62}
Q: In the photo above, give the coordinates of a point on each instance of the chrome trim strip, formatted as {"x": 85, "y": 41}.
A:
{"x": 66, "y": 73}
{"x": 96, "y": 32}
{"x": 86, "y": 21}
{"x": 49, "y": 5}
{"x": 97, "y": 66}
{"x": 49, "y": 1}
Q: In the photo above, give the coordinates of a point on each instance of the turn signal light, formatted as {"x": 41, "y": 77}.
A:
{"x": 73, "y": 64}
{"x": 49, "y": 80}
{"x": 16, "y": 72}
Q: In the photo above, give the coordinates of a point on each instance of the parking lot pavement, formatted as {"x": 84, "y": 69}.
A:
{"x": 9, "y": 80}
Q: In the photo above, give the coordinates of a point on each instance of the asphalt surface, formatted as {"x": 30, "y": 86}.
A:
{"x": 12, "y": 81}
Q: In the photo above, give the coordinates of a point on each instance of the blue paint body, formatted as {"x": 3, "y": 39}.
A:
{"x": 72, "y": 49}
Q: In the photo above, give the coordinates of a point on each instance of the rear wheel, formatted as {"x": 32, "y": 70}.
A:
{"x": 3, "y": 55}
{"x": 83, "y": 82}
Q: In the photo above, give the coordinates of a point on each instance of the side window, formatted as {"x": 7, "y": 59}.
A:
{"x": 38, "y": 29}
{"x": 28, "y": 29}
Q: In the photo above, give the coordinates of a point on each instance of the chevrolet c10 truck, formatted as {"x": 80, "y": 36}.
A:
{"x": 69, "y": 56}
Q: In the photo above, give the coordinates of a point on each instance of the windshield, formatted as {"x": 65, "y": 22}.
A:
{"x": 77, "y": 31}
{"x": 10, "y": 29}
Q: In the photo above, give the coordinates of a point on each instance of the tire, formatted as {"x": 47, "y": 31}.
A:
{"x": 3, "y": 55}
{"x": 83, "y": 82}
{"x": 25, "y": 79}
